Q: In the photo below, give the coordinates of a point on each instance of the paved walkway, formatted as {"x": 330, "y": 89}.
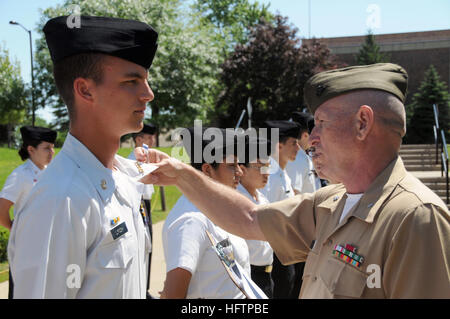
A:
{"x": 157, "y": 274}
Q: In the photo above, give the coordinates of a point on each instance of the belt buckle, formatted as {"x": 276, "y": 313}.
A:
{"x": 268, "y": 269}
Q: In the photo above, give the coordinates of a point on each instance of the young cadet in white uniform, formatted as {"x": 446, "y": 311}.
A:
{"x": 193, "y": 267}
{"x": 146, "y": 136}
{"x": 301, "y": 171}
{"x": 80, "y": 234}
{"x": 37, "y": 150}
{"x": 286, "y": 282}
{"x": 255, "y": 169}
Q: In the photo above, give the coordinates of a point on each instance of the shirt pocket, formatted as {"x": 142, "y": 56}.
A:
{"x": 118, "y": 253}
{"x": 343, "y": 280}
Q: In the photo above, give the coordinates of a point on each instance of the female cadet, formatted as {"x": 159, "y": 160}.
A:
{"x": 193, "y": 266}
{"x": 37, "y": 150}
{"x": 255, "y": 169}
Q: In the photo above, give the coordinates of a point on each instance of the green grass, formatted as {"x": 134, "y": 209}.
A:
{"x": 4, "y": 272}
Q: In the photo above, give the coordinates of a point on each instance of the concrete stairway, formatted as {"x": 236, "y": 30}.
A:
{"x": 420, "y": 160}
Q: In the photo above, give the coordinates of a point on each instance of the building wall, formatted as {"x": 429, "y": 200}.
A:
{"x": 414, "y": 51}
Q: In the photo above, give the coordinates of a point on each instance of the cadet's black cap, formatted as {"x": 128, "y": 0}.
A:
{"x": 323, "y": 86}
{"x": 149, "y": 129}
{"x": 36, "y": 133}
{"x": 130, "y": 40}
{"x": 286, "y": 128}
{"x": 301, "y": 118}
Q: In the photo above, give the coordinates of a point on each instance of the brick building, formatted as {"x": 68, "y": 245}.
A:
{"x": 414, "y": 51}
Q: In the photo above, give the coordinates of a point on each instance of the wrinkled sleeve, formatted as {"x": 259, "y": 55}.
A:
{"x": 12, "y": 188}
{"x": 186, "y": 242}
{"x": 418, "y": 264}
{"x": 289, "y": 227}
{"x": 48, "y": 246}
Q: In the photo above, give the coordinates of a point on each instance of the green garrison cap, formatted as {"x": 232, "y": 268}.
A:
{"x": 323, "y": 86}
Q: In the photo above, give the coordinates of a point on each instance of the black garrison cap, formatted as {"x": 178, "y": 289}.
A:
{"x": 286, "y": 128}
{"x": 130, "y": 40}
{"x": 302, "y": 118}
{"x": 36, "y": 133}
{"x": 387, "y": 77}
{"x": 149, "y": 129}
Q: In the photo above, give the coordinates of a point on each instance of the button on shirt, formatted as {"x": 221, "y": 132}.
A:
{"x": 261, "y": 254}
{"x": 399, "y": 227}
{"x": 279, "y": 185}
{"x": 80, "y": 233}
{"x": 19, "y": 183}
{"x": 186, "y": 245}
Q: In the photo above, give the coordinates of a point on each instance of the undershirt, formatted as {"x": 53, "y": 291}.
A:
{"x": 351, "y": 200}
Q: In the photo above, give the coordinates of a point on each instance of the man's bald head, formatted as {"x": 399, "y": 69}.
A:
{"x": 388, "y": 110}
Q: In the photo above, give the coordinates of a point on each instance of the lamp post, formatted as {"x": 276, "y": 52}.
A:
{"x": 32, "y": 73}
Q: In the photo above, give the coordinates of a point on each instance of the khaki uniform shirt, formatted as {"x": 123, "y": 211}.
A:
{"x": 399, "y": 227}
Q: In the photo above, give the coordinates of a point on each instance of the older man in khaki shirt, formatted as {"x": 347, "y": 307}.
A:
{"x": 380, "y": 233}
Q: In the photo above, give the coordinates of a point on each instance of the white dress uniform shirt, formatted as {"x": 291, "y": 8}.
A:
{"x": 62, "y": 244}
{"x": 279, "y": 185}
{"x": 187, "y": 246}
{"x": 261, "y": 254}
{"x": 19, "y": 183}
{"x": 148, "y": 189}
{"x": 301, "y": 173}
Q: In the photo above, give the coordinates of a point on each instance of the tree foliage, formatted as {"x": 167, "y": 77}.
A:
{"x": 232, "y": 19}
{"x": 370, "y": 52}
{"x": 13, "y": 92}
{"x": 431, "y": 91}
{"x": 14, "y": 104}
{"x": 184, "y": 72}
{"x": 271, "y": 68}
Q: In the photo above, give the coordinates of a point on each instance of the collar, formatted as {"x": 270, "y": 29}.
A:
{"x": 274, "y": 166}
{"x": 100, "y": 176}
{"x": 380, "y": 190}
{"x": 33, "y": 167}
{"x": 372, "y": 199}
{"x": 241, "y": 189}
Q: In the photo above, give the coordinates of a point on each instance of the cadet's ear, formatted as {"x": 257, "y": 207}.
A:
{"x": 30, "y": 150}
{"x": 364, "y": 122}
{"x": 82, "y": 89}
{"x": 244, "y": 169}
{"x": 206, "y": 169}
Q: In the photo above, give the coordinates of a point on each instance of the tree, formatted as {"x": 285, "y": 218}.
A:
{"x": 271, "y": 68}
{"x": 13, "y": 95}
{"x": 232, "y": 19}
{"x": 431, "y": 91}
{"x": 370, "y": 52}
{"x": 184, "y": 72}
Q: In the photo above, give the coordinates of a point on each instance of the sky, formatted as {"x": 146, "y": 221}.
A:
{"x": 313, "y": 18}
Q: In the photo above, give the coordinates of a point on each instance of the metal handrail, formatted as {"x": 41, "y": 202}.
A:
{"x": 444, "y": 151}
{"x": 436, "y": 129}
{"x": 444, "y": 166}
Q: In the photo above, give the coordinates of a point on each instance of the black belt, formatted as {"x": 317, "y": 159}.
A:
{"x": 267, "y": 268}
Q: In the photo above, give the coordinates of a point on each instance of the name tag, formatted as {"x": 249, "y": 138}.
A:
{"x": 119, "y": 230}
